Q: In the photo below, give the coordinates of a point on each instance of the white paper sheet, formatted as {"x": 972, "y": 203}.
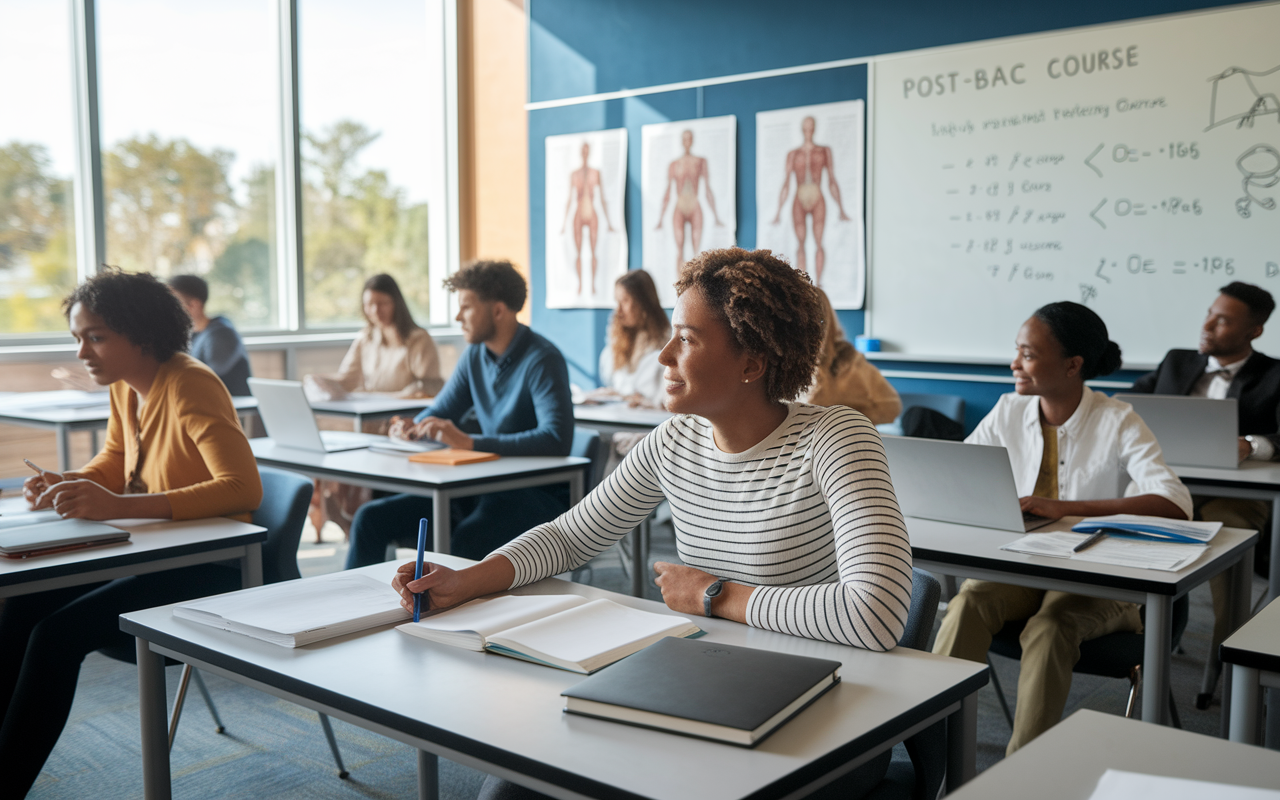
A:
{"x": 292, "y": 607}
{"x": 1118, "y": 785}
{"x": 1198, "y": 530}
{"x": 1165, "y": 556}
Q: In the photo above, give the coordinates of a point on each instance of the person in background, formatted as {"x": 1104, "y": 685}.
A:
{"x": 391, "y": 355}
{"x": 1226, "y": 365}
{"x": 1074, "y": 451}
{"x": 629, "y": 367}
{"x": 214, "y": 340}
{"x": 747, "y": 331}
{"x": 845, "y": 377}
{"x": 174, "y": 450}
{"x": 517, "y": 383}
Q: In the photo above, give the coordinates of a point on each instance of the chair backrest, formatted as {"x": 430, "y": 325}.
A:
{"x": 586, "y": 444}
{"x": 925, "y": 591}
{"x": 286, "y": 496}
{"x": 949, "y": 405}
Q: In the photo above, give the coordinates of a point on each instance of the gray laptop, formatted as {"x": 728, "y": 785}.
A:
{"x": 290, "y": 422}
{"x": 1192, "y": 431}
{"x": 971, "y": 484}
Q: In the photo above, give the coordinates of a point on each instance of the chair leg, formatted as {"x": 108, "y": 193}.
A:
{"x": 1135, "y": 680}
{"x": 995, "y": 684}
{"x": 208, "y": 701}
{"x": 178, "y": 702}
{"x": 1173, "y": 710}
{"x": 333, "y": 746}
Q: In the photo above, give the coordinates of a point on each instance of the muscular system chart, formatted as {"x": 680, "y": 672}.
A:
{"x": 1134, "y": 168}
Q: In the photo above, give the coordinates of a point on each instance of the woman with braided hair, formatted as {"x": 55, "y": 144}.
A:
{"x": 784, "y": 514}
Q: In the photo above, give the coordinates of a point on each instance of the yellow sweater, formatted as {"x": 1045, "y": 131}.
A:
{"x": 185, "y": 442}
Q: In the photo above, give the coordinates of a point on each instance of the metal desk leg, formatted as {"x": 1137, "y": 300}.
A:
{"x": 440, "y": 521}
{"x": 1246, "y": 692}
{"x": 155, "y": 725}
{"x": 358, "y": 423}
{"x": 1240, "y": 584}
{"x": 428, "y": 776}
{"x": 63, "y": 435}
{"x": 251, "y": 566}
{"x": 1273, "y": 580}
{"x": 962, "y": 744}
{"x": 639, "y": 559}
{"x": 1155, "y": 661}
{"x": 93, "y": 442}
{"x": 576, "y": 484}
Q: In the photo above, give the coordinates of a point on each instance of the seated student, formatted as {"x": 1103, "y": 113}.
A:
{"x": 174, "y": 450}
{"x": 629, "y": 367}
{"x": 1228, "y": 366}
{"x": 391, "y": 355}
{"x": 818, "y": 550}
{"x": 1074, "y": 451}
{"x": 518, "y": 385}
{"x": 214, "y": 340}
{"x": 845, "y": 377}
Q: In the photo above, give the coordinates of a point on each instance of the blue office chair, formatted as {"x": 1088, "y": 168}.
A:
{"x": 950, "y": 406}
{"x": 1116, "y": 655}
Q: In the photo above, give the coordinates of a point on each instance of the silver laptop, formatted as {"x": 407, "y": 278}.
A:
{"x": 971, "y": 484}
{"x": 290, "y": 422}
{"x": 1192, "y": 431}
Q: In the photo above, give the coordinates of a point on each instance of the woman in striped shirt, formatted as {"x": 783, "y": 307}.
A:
{"x": 790, "y": 504}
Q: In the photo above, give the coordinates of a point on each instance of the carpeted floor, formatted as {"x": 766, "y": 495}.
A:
{"x": 276, "y": 749}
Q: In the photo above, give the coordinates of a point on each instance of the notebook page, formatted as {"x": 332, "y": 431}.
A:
{"x": 489, "y": 615}
{"x": 292, "y": 607}
{"x": 581, "y": 633}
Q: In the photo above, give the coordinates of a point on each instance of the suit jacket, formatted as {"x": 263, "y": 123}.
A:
{"x": 1256, "y": 388}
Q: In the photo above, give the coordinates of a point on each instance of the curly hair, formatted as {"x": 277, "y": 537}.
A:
{"x": 491, "y": 280}
{"x": 137, "y": 306}
{"x": 771, "y": 309}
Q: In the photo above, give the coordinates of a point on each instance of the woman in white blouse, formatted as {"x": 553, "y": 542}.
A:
{"x": 1074, "y": 452}
{"x": 629, "y": 367}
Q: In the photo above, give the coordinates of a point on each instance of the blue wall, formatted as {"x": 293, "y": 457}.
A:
{"x": 580, "y": 47}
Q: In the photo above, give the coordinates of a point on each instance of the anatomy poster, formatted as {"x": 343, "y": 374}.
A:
{"x": 809, "y": 194}
{"x": 688, "y": 194}
{"x": 586, "y": 232}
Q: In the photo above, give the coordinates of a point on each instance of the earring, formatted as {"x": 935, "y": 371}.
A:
{"x": 744, "y": 380}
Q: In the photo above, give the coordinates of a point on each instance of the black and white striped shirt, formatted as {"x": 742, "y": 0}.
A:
{"x": 808, "y": 515}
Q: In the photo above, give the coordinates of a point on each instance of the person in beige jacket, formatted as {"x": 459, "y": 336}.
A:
{"x": 845, "y": 377}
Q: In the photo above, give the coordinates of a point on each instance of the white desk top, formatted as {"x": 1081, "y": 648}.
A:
{"x": 398, "y": 468}
{"x": 1257, "y": 643}
{"x": 1066, "y": 762}
{"x": 73, "y": 413}
{"x": 373, "y": 404}
{"x": 1264, "y": 472}
{"x": 620, "y": 414}
{"x": 148, "y": 542}
{"x": 969, "y": 546}
{"x": 509, "y": 712}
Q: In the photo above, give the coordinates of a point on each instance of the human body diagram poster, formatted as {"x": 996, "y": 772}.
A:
{"x": 809, "y": 189}
{"x": 688, "y": 192}
{"x": 586, "y": 247}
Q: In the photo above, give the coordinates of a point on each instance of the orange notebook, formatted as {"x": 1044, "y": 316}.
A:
{"x": 452, "y": 457}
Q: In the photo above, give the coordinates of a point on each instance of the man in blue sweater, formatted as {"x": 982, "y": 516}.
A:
{"x": 214, "y": 340}
{"x": 517, "y": 384}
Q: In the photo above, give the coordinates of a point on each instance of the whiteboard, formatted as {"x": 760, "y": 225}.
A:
{"x": 1133, "y": 167}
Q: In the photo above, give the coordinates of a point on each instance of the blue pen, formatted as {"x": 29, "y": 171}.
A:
{"x": 417, "y": 572}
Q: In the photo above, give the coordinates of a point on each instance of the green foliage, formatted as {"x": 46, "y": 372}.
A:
{"x": 37, "y": 245}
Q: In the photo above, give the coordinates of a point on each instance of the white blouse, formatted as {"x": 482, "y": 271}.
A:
{"x": 645, "y": 379}
{"x": 1105, "y": 450}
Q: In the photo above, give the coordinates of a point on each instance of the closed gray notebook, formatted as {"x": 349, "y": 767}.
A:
{"x": 57, "y": 535}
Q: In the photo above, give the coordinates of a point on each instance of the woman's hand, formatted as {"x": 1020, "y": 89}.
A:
{"x": 37, "y": 485}
{"x": 443, "y": 587}
{"x": 682, "y": 587}
{"x": 443, "y": 430}
{"x": 82, "y": 499}
{"x": 1044, "y": 507}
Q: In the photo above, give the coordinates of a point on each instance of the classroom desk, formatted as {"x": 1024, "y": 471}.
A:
{"x": 1065, "y": 762}
{"x": 613, "y": 417}
{"x": 70, "y": 415}
{"x": 973, "y": 552}
{"x": 396, "y": 473}
{"x": 504, "y": 716}
{"x": 1253, "y": 652}
{"x": 154, "y": 547}
{"x": 360, "y": 409}
{"x": 1252, "y": 480}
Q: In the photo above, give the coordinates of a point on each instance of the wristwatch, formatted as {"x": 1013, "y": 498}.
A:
{"x": 713, "y": 591}
{"x": 1253, "y": 445}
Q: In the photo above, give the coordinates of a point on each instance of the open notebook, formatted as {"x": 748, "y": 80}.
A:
{"x": 566, "y": 631}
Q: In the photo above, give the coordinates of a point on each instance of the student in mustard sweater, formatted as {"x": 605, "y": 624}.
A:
{"x": 174, "y": 450}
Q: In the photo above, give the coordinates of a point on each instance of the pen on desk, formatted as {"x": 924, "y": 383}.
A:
{"x": 27, "y": 461}
{"x": 1090, "y": 542}
{"x": 417, "y": 572}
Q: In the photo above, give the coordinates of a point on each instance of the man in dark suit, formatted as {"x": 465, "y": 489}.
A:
{"x": 1226, "y": 365}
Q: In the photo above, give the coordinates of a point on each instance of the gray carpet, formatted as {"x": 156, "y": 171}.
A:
{"x": 276, "y": 749}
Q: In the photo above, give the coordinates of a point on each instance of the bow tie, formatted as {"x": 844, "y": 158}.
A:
{"x": 1225, "y": 374}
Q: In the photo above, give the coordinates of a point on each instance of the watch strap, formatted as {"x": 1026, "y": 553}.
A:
{"x": 712, "y": 592}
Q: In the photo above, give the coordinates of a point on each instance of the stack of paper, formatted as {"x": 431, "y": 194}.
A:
{"x": 1158, "y": 529}
{"x": 296, "y": 613}
{"x": 1120, "y": 552}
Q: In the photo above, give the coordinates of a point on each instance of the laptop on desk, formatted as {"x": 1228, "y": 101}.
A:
{"x": 971, "y": 484}
{"x": 290, "y": 422}
{"x": 1192, "y": 431}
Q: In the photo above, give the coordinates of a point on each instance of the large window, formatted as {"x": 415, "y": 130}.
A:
{"x": 283, "y": 164}
{"x": 370, "y": 107}
{"x": 189, "y": 146}
{"x": 37, "y": 154}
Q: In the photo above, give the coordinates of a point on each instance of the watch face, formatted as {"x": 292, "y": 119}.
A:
{"x": 714, "y": 589}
